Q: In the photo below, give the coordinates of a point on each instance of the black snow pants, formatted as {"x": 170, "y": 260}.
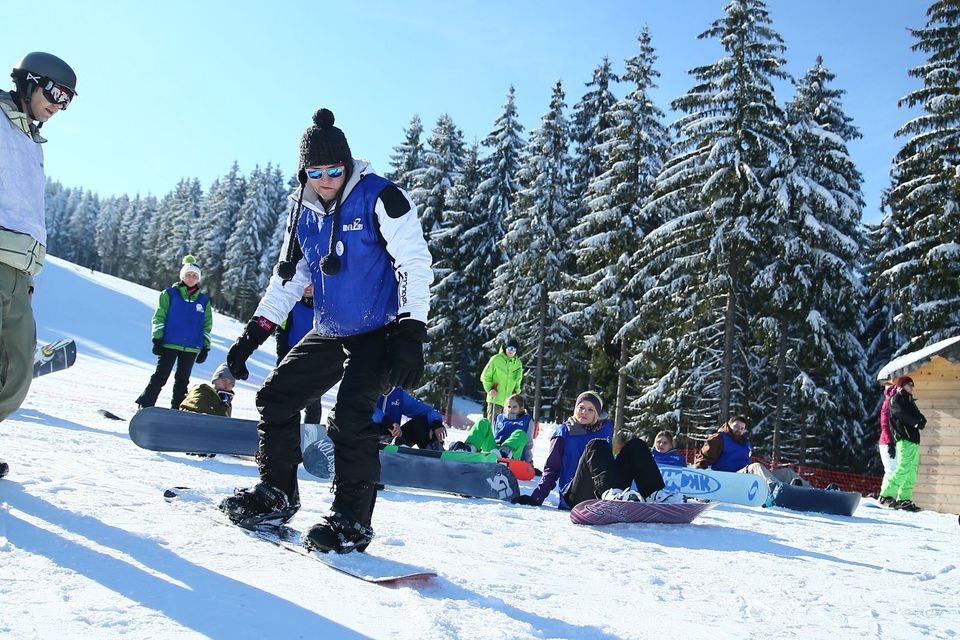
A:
{"x": 165, "y": 361}
{"x": 598, "y": 471}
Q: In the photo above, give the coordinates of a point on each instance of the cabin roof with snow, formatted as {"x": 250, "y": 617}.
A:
{"x": 949, "y": 349}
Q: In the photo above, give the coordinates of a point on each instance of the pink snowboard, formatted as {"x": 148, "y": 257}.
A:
{"x": 614, "y": 511}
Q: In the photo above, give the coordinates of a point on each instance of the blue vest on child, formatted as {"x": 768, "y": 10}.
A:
{"x": 363, "y": 295}
{"x": 672, "y": 458}
{"x": 573, "y": 447}
{"x": 504, "y": 427}
{"x": 735, "y": 455}
{"x": 183, "y": 325}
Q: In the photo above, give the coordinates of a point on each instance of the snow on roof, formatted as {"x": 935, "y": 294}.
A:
{"x": 911, "y": 361}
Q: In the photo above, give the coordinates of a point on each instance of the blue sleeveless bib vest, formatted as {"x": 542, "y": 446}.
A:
{"x": 184, "y": 323}
{"x": 504, "y": 428}
{"x": 362, "y": 296}
{"x": 735, "y": 456}
{"x": 573, "y": 448}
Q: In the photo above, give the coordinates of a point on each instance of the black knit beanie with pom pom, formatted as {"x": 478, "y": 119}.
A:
{"x": 323, "y": 144}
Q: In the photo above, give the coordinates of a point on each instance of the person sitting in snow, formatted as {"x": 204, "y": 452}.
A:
{"x": 582, "y": 463}
{"x": 665, "y": 453}
{"x": 424, "y": 429}
{"x": 181, "y": 334}
{"x": 509, "y": 437}
{"x": 214, "y": 398}
{"x": 729, "y": 449}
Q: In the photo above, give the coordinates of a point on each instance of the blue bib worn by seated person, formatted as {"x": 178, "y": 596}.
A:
{"x": 363, "y": 295}
{"x": 576, "y": 439}
{"x": 735, "y": 455}
{"x": 183, "y": 325}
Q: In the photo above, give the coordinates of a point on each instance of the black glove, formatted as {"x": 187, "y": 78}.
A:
{"x": 202, "y": 356}
{"x": 157, "y": 347}
{"x": 252, "y": 337}
{"x": 892, "y": 449}
{"x": 922, "y": 424}
{"x": 405, "y": 353}
{"x": 526, "y": 501}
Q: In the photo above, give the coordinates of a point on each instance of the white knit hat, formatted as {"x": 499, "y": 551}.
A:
{"x": 190, "y": 266}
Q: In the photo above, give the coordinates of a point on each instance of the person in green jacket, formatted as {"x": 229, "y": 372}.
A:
{"x": 501, "y": 378}
{"x": 181, "y": 334}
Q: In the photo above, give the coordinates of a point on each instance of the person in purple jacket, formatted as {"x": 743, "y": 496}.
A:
{"x": 665, "y": 453}
{"x": 582, "y": 463}
{"x": 424, "y": 429}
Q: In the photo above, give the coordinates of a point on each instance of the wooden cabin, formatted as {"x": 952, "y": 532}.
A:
{"x": 936, "y": 388}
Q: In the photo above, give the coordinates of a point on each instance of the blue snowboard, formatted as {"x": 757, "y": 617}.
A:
{"x": 839, "y": 503}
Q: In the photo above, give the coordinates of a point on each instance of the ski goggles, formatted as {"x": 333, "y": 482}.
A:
{"x": 510, "y": 350}
{"x": 332, "y": 172}
{"x": 55, "y": 93}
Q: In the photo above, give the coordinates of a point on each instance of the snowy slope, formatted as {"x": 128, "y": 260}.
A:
{"x": 89, "y": 549}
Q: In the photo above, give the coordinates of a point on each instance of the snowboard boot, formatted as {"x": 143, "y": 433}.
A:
{"x": 261, "y": 505}
{"x": 906, "y": 505}
{"x": 4, "y": 468}
{"x": 886, "y": 501}
{"x": 347, "y": 527}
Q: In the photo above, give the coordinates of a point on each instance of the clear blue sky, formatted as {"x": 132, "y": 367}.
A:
{"x": 184, "y": 87}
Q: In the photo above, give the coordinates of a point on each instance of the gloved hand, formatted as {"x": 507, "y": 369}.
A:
{"x": 405, "y": 353}
{"x": 202, "y": 356}
{"x": 252, "y": 337}
{"x": 157, "y": 347}
{"x": 892, "y": 449}
{"x": 526, "y": 501}
{"x": 922, "y": 424}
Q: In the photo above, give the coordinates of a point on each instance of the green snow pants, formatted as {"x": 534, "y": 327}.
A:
{"x": 900, "y": 484}
{"x": 18, "y": 339}
{"x": 481, "y": 436}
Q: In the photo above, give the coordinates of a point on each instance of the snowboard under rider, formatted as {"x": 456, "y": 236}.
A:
{"x": 44, "y": 86}
{"x": 357, "y": 238}
{"x": 181, "y": 334}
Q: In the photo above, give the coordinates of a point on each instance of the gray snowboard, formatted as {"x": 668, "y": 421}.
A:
{"x": 159, "y": 429}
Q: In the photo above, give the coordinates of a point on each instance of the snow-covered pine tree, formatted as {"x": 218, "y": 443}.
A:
{"x": 407, "y": 161}
{"x": 180, "y": 216}
{"x": 808, "y": 295}
{"x": 108, "y": 233}
{"x": 55, "y": 213}
{"x": 592, "y": 116}
{"x": 253, "y": 228}
{"x": 443, "y": 161}
{"x": 82, "y": 225}
{"x": 607, "y": 237}
{"x": 924, "y": 272}
{"x": 218, "y": 215}
{"x": 495, "y": 195}
{"x": 455, "y": 294}
{"x": 537, "y": 248}
{"x": 136, "y": 262}
{"x": 281, "y": 207}
{"x": 696, "y": 267}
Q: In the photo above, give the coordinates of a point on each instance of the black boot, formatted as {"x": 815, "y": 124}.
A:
{"x": 347, "y": 527}
{"x": 4, "y": 468}
{"x": 262, "y": 504}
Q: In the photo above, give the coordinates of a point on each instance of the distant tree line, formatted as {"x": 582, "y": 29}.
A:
{"x": 691, "y": 270}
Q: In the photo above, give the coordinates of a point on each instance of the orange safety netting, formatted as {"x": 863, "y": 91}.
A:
{"x": 863, "y": 484}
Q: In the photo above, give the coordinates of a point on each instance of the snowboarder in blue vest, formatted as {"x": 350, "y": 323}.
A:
{"x": 289, "y": 333}
{"x": 729, "y": 449}
{"x": 582, "y": 463}
{"x": 357, "y": 238}
{"x": 45, "y": 85}
{"x": 424, "y": 428}
{"x": 181, "y": 334}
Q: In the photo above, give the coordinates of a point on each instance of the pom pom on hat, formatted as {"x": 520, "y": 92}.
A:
{"x": 190, "y": 266}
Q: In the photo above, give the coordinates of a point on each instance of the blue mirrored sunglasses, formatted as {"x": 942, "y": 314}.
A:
{"x": 332, "y": 172}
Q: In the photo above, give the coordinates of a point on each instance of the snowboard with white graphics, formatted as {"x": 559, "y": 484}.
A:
{"x": 723, "y": 486}
{"x": 55, "y": 356}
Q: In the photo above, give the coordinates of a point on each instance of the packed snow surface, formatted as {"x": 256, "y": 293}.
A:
{"x": 89, "y": 548}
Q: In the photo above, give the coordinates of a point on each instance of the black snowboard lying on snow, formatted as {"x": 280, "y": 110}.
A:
{"x": 840, "y": 503}
{"x": 160, "y": 429}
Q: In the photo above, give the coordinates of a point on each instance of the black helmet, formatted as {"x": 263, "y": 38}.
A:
{"x": 45, "y": 65}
